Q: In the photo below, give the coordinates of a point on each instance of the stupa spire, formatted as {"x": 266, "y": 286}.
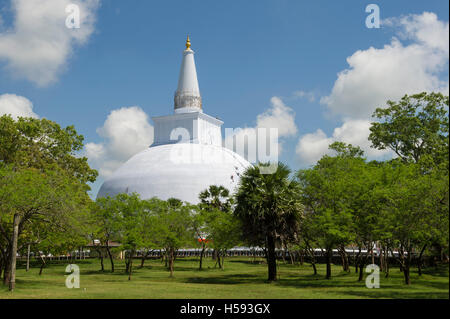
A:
{"x": 187, "y": 96}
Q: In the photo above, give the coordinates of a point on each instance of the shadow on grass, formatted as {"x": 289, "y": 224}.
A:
{"x": 441, "y": 271}
{"x": 231, "y": 279}
{"x": 247, "y": 262}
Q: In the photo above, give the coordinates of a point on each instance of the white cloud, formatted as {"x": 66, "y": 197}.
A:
{"x": 311, "y": 147}
{"x": 126, "y": 131}
{"x": 278, "y": 116}
{"x": 376, "y": 75}
{"x": 38, "y": 44}
{"x": 425, "y": 29}
{"x": 16, "y": 106}
{"x": 310, "y": 96}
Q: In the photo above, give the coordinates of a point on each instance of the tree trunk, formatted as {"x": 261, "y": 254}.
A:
{"x": 144, "y": 257}
{"x": 28, "y": 257}
{"x": 1, "y": 263}
{"x": 100, "y": 255}
{"x": 314, "y": 268}
{"x": 219, "y": 259}
{"x": 12, "y": 279}
{"x": 406, "y": 270}
{"x": 43, "y": 263}
{"x": 171, "y": 252}
{"x": 223, "y": 261}
{"x": 291, "y": 258}
{"x": 271, "y": 258}
{"x": 382, "y": 261}
{"x": 110, "y": 257}
{"x": 419, "y": 261}
{"x": 6, "y": 266}
{"x": 130, "y": 265}
{"x": 329, "y": 255}
{"x": 201, "y": 256}
{"x": 371, "y": 253}
{"x": 361, "y": 271}
{"x": 357, "y": 259}
{"x": 344, "y": 257}
{"x": 386, "y": 263}
{"x": 402, "y": 259}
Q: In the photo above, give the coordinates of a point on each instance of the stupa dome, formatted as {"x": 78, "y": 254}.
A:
{"x": 187, "y": 154}
{"x": 181, "y": 170}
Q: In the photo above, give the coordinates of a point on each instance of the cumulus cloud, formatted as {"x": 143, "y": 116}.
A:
{"x": 126, "y": 131}
{"x": 38, "y": 44}
{"x": 279, "y": 117}
{"x": 311, "y": 147}
{"x": 376, "y": 75}
{"x": 414, "y": 61}
{"x": 16, "y": 106}
{"x": 309, "y": 95}
{"x": 425, "y": 29}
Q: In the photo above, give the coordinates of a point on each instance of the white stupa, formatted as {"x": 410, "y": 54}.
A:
{"x": 187, "y": 154}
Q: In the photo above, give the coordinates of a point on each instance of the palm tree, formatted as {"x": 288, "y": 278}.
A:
{"x": 217, "y": 197}
{"x": 269, "y": 207}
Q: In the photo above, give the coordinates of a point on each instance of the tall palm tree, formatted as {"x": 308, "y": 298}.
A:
{"x": 269, "y": 207}
{"x": 217, "y": 197}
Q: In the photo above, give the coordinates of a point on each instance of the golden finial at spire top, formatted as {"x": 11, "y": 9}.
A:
{"x": 188, "y": 43}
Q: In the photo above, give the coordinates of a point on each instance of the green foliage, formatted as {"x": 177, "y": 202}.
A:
{"x": 37, "y": 143}
{"x": 269, "y": 208}
{"x": 328, "y": 190}
{"x": 51, "y": 205}
{"x": 268, "y": 204}
{"x": 216, "y": 197}
{"x": 413, "y": 127}
{"x": 173, "y": 224}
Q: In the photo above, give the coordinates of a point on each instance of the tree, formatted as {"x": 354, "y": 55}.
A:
{"x": 30, "y": 197}
{"x": 218, "y": 226}
{"x": 199, "y": 224}
{"x": 224, "y": 232}
{"x": 39, "y": 163}
{"x": 105, "y": 223}
{"x": 416, "y": 204}
{"x": 173, "y": 227}
{"x": 328, "y": 191}
{"x": 217, "y": 197}
{"x": 416, "y": 128}
{"x": 148, "y": 227}
{"x": 129, "y": 210}
{"x": 269, "y": 208}
{"x": 413, "y": 127}
{"x": 38, "y": 143}
{"x": 213, "y": 200}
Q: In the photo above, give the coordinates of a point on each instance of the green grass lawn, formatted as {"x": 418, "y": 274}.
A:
{"x": 240, "y": 279}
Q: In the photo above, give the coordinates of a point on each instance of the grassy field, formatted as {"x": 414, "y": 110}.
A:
{"x": 240, "y": 279}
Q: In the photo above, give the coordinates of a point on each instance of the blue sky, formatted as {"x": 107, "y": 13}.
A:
{"x": 247, "y": 52}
